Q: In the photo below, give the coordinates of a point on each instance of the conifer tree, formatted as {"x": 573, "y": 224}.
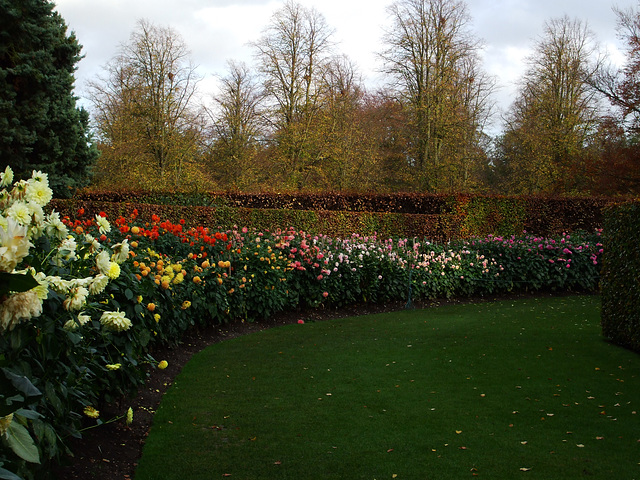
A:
{"x": 41, "y": 127}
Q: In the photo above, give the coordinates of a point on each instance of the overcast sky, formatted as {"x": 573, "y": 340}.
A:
{"x": 220, "y": 30}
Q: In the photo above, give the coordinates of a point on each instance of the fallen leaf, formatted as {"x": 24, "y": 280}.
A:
{"x": 458, "y": 432}
{"x": 390, "y": 450}
{"x": 524, "y": 469}
{"x": 580, "y": 445}
{"x": 278, "y": 462}
{"x": 599, "y": 438}
{"x": 523, "y": 443}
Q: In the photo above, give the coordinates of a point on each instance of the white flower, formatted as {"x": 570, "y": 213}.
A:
{"x": 98, "y": 284}
{"x": 115, "y": 321}
{"x": 120, "y": 252}
{"x": 83, "y": 319}
{"x": 95, "y": 244}
{"x": 6, "y": 178}
{"x": 20, "y": 212}
{"x": 42, "y": 290}
{"x": 74, "y": 323}
{"x": 14, "y": 245}
{"x": 67, "y": 249}
{"x": 59, "y": 284}
{"x": 39, "y": 193}
{"x": 103, "y": 224}
{"x": 54, "y": 226}
{"x": 38, "y": 176}
{"x": 103, "y": 262}
{"x": 76, "y": 300}
{"x": 18, "y": 307}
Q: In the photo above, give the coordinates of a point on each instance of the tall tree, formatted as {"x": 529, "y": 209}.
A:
{"x": 344, "y": 153}
{"x": 621, "y": 86}
{"x": 237, "y": 127}
{"x": 433, "y": 60}
{"x": 291, "y": 55}
{"x": 616, "y": 160}
{"x": 145, "y": 109}
{"x": 41, "y": 128}
{"x": 552, "y": 119}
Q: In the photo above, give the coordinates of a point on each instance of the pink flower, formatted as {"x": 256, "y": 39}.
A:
{"x": 325, "y": 294}
{"x": 319, "y": 277}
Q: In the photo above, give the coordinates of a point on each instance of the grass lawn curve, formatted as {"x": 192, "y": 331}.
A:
{"x": 522, "y": 388}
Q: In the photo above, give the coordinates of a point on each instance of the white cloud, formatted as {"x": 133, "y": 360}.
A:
{"x": 219, "y": 30}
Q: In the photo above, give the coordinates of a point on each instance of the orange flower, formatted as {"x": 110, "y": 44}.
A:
{"x": 197, "y": 280}
{"x": 151, "y": 307}
{"x": 135, "y": 230}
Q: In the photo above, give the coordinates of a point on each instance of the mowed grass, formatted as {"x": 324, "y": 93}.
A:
{"x": 509, "y": 389}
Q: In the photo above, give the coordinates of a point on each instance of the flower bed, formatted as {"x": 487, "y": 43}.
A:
{"x": 86, "y": 299}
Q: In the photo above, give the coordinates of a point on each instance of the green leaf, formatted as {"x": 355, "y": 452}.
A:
{"x": 30, "y": 414}
{"x": 21, "y": 443}
{"x": 16, "y": 282}
{"x": 128, "y": 293}
{"x": 144, "y": 337}
{"x": 7, "y": 475}
{"x": 17, "y": 391}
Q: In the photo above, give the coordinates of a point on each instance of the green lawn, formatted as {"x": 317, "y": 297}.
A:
{"x": 511, "y": 389}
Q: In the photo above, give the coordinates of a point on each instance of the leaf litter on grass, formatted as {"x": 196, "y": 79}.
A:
{"x": 443, "y": 398}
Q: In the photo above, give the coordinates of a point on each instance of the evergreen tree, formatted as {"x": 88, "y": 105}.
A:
{"x": 41, "y": 128}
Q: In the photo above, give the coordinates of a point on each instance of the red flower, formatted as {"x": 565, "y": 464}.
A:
{"x": 81, "y": 211}
{"x": 103, "y": 215}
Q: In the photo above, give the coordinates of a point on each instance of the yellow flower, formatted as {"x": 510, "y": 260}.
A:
{"x": 129, "y": 416}
{"x": 179, "y": 278}
{"x": 163, "y": 364}
{"x": 114, "y": 366}
{"x": 156, "y": 317}
{"x": 114, "y": 271}
{"x": 91, "y": 412}
{"x": 5, "y": 422}
{"x": 186, "y": 304}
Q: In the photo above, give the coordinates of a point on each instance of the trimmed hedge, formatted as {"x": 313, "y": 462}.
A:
{"x": 435, "y": 217}
{"x": 620, "y": 282}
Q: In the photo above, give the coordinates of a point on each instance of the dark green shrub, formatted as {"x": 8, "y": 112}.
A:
{"x": 621, "y": 275}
